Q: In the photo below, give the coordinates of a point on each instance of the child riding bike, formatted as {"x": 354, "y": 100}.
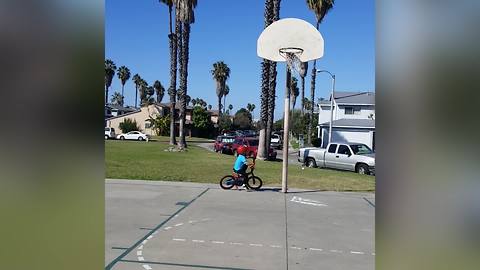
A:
{"x": 241, "y": 164}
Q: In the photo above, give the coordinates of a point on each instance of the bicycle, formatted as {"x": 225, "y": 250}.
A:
{"x": 253, "y": 182}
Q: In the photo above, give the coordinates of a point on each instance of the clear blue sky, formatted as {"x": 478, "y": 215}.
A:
{"x": 136, "y": 36}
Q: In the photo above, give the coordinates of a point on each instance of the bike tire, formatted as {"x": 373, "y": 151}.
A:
{"x": 254, "y": 182}
{"x": 227, "y": 182}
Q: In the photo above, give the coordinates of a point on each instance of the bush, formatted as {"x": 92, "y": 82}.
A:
{"x": 161, "y": 125}
{"x": 129, "y": 125}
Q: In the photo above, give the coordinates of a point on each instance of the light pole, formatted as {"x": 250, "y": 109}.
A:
{"x": 331, "y": 103}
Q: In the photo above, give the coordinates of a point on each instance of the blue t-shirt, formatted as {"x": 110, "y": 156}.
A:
{"x": 241, "y": 159}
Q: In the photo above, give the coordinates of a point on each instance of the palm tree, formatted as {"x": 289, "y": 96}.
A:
{"x": 137, "y": 80}
{"x": 110, "y": 69}
{"x": 220, "y": 73}
{"x": 320, "y": 8}
{"x": 143, "y": 89}
{"x": 160, "y": 90}
{"x": 185, "y": 15}
{"x": 225, "y": 93}
{"x": 272, "y": 83}
{"x": 117, "y": 99}
{"x": 250, "y": 108}
{"x": 124, "y": 75}
{"x": 230, "y": 107}
{"x": 173, "y": 42}
{"x": 303, "y": 72}
{"x": 209, "y": 107}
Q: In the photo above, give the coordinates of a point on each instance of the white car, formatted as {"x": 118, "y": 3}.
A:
{"x": 133, "y": 135}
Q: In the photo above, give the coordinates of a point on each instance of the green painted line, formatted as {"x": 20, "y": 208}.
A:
{"x": 112, "y": 263}
{"x": 188, "y": 265}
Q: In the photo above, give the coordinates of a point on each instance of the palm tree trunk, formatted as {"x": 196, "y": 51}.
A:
{"x": 183, "y": 83}
{"x": 303, "y": 96}
{"x": 173, "y": 76}
{"x": 264, "y": 115}
{"x": 106, "y": 94}
{"x": 136, "y": 95}
{"x": 220, "y": 104}
{"x": 224, "y": 103}
{"x": 123, "y": 98}
{"x": 312, "y": 90}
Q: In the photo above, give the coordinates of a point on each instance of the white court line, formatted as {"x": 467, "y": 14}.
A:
{"x": 275, "y": 246}
{"x": 336, "y": 251}
{"x": 198, "y": 241}
{"x": 373, "y": 254}
{"x": 150, "y": 237}
{"x": 256, "y": 245}
{"x": 140, "y": 247}
{"x": 179, "y": 239}
{"x": 357, "y": 252}
{"x": 316, "y": 249}
{"x": 141, "y": 259}
{"x": 179, "y": 224}
{"x": 139, "y": 253}
{"x": 167, "y": 228}
{"x": 235, "y": 243}
{"x": 144, "y": 242}
{"x": 218, "y": 242}
{"x": 147, "y": 267}
{"x": 295, "y": 248}
{"x": 192, "y": 221}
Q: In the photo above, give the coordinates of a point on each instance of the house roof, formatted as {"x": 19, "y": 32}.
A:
{"x": 367, "y": 98}
{"x": 351, "y": 123}
{"x": 120, "y": 108}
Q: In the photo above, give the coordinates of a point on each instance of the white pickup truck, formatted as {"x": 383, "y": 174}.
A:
{"x": 355, "y": 157}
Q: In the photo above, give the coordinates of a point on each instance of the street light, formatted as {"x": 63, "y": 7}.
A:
{"x": 331, "y": 103}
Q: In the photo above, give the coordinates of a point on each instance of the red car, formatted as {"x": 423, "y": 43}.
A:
{"x": 223, "y": 144}
{"x": 252, "y": 147}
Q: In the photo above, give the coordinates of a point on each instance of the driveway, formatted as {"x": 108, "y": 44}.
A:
{"x": 173, "y": 225}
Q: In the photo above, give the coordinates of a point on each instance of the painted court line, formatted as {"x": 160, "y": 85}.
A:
{"x": 139, "y": 253}
{"x": 256, "y": 245}
{"x": 179, "y": 239}
{"x": 316, "y": 249}
{"x": 336, "y": 251}
{"x": 357, "y": 252}
{"x": 198, "y": 241}
{"x": 179, "y": 224}
{"x": 141, "y": 259}
{"x": 275, "y": 246}
{"x": 167, "y": 228}
{"x": 218, "y": 242}
{"x": 147, "y": 267}
{"x": 144, "y": 242}
{"x": 150, "y": 237}
{"x": 295, "y": 248}
{"x": 140, "y": 247}
{"x": 235, "y": 243}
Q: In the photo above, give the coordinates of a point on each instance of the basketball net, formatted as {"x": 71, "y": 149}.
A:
{"x": 291, "y": 56}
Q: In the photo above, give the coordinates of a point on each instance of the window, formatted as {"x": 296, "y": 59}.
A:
{"x": 361, "y": 149}
{"x": 343, "y": 149}
{"x": 332, "y": 148}
{"x": 148, "y": 124}
{"x": 352, "y": 110}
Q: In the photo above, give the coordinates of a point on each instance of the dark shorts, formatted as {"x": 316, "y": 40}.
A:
{"x": 242, "y": 170}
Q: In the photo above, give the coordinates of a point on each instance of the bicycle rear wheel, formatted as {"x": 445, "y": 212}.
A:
{"x": 254, "y": 182}
{"x": 227, "y": 182}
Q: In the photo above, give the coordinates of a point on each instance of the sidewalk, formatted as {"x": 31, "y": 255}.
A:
{"x": 174, "y": 225}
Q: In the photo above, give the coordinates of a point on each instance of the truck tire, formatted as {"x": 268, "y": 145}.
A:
{"x": 362, "y": 169}
{"x": 310, "y": 162}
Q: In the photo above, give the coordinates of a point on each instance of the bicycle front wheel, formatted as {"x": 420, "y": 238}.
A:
{"x": 227, "y": 182}
{"x": 254, "y": 182}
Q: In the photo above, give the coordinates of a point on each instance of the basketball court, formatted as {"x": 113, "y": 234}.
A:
{"x": 173, "y": 225}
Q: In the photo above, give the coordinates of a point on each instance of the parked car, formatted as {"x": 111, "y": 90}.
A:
{"x": 252, "y": 147}
{"x": 133, "y": 135}
{"x": 276, "y": 141}
{"x": 223, "y": 144}
{"x": 355, "y": 157}
{"x": 109, "y": 133}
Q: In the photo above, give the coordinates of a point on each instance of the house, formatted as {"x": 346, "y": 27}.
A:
{"x": 353, "y": 118}
{"x": 143, "y": 114}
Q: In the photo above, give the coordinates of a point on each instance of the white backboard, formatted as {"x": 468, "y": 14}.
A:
{"x": 290, "y": 32}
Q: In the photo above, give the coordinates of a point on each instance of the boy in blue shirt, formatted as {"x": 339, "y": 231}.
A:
{"x": 241, "y": 163}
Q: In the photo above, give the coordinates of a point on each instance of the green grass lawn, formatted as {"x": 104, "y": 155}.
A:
{"x": 149, "y": 161}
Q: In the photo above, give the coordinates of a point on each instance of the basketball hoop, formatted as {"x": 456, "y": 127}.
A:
{"x": 292, "y": 57}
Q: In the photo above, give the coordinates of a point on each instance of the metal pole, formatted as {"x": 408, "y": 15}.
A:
{"x": 331, "y": 109}
{"x": 286, "y": 120}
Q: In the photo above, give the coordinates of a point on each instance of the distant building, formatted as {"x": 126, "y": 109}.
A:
{"x": 143, "y": 114}
{"x": 112, "y": 110}
{"x": 353, "y": 118}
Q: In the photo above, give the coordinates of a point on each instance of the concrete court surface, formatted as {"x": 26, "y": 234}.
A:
{"x": 174, "y": 225}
